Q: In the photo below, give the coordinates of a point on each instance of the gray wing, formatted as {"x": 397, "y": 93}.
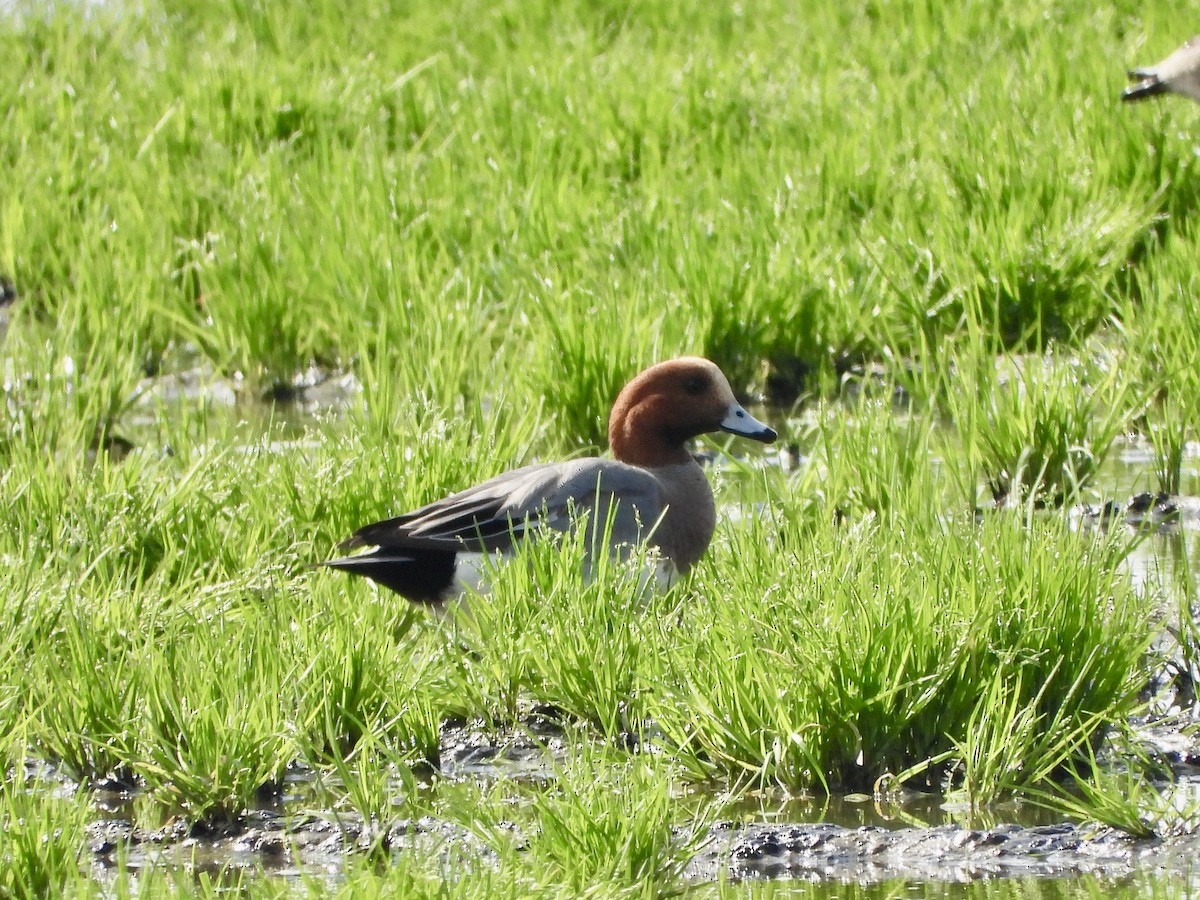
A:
{"x": 488, "y": 516}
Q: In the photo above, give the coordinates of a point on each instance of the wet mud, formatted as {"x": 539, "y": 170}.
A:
{"x": 288, "y": 836}
{"x": 8, "y": 299}
{"x": 274, "y": 843}
{"x": 311, "y": 391}
{"x": 825, "y": 851}
{"x": 1156, "y": 511}
{"x": 290, "y": 845}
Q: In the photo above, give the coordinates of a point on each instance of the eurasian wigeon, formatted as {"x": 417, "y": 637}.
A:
{"x": 653, "y": 490}
{"x": 1179, "y": 73}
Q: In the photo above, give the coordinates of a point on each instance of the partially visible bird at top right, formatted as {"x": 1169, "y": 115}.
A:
{"x": 1179, "y": 73}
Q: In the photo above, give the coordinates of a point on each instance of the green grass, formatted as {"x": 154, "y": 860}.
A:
{"x": 580, "y": 643}
{"x": 464, "y": 194}
{"x": 1161, "y": 331}
{"x": 41, "y": 838}
{"x": 492, "y": 214}
{"x": 214, "y": 731}
{"x": 605, "y": 824}
{"x": 864, "y": 650}
{"x": 1039, "y": 429}
{"x": 1133, "y": 796}
{"x": 88, "y": 684}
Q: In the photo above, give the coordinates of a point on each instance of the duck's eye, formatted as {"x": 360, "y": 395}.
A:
{"x": 696, "y": 385}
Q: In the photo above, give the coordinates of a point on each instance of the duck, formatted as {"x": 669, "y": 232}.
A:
{"x": 1179, "y": 73}
{"x": 651, "y": 491}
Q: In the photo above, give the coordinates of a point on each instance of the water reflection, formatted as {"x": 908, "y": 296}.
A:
{"x": 1136, "y": 884}
{"x": 907, "y": 809}
{"x": 1165, "y": 564}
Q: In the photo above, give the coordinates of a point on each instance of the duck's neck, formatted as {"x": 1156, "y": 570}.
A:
{"x": 641, "y": 444}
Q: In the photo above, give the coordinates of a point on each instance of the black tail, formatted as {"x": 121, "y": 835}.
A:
{"x": 1149, "y": 86}
{"x": 422, "y": 576}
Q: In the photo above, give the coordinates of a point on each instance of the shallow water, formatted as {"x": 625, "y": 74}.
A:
{"x": 908, "y": 809}
{"x": 911, "y": 844}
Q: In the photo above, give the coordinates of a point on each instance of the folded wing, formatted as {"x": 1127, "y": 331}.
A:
{"x": 488, "y": 516}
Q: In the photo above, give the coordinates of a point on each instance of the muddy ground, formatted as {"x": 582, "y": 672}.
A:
{"x": 283, "y": 837}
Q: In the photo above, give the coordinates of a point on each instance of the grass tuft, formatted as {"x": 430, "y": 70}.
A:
{"x": 1038, "y": 429}
{"x": 860, "y": 652}
{"x": 42, "y": 835}
{"x": 214, "y": 732}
